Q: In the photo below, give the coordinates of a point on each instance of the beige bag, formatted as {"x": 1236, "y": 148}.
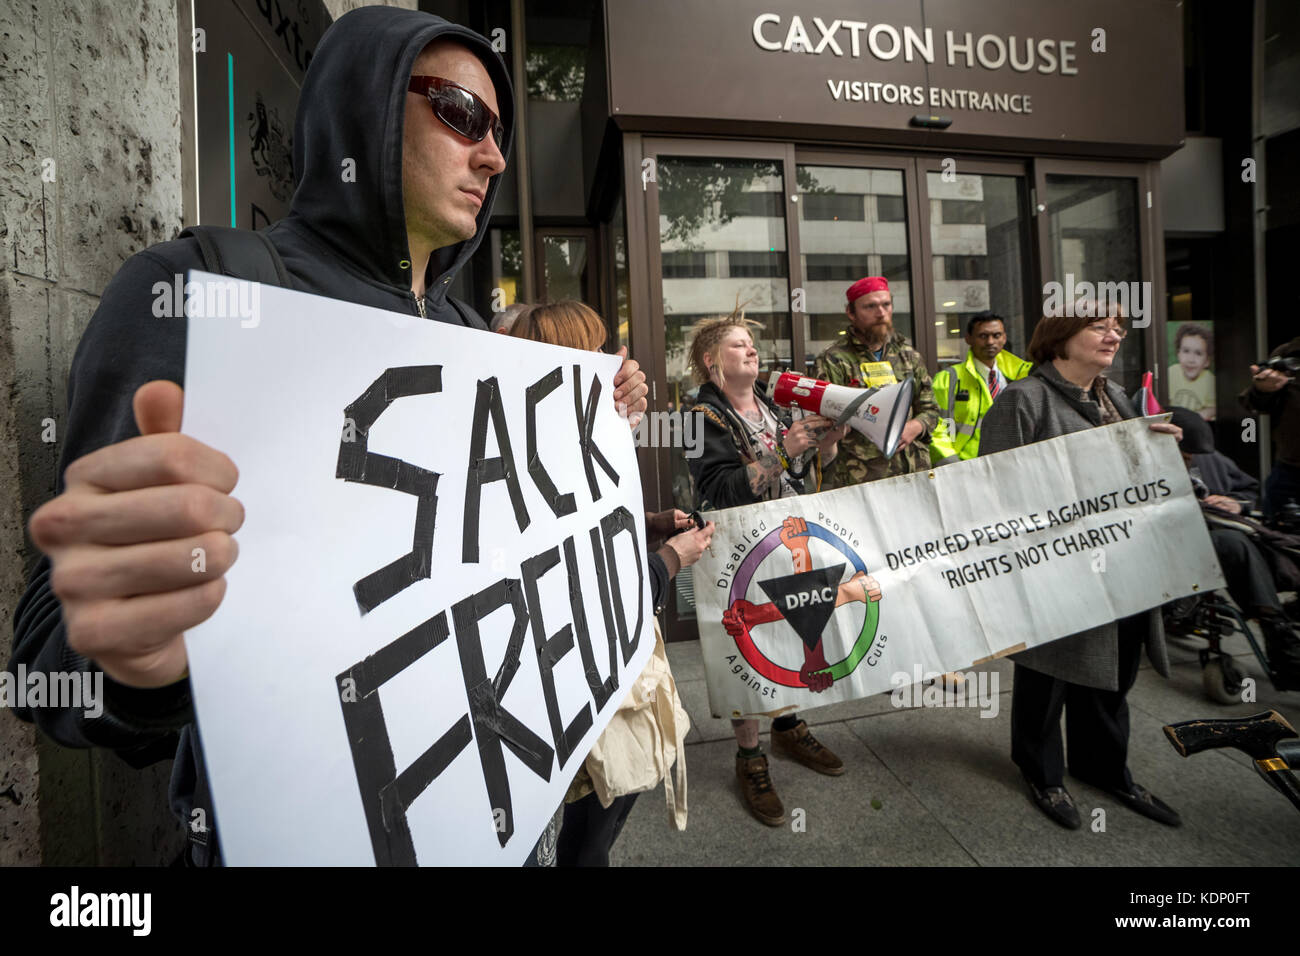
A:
{"x": 646, "y": 736}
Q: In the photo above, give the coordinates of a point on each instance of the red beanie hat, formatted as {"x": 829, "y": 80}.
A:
{"x": 869, "y": 284}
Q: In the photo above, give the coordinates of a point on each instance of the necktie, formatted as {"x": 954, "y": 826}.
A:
{"x": 993, "y": 383}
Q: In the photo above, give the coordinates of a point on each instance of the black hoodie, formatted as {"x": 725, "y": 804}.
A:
{"x": 344, "y": 240}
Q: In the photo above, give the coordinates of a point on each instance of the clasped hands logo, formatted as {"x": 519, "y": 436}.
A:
{"x": 804, "y": 601}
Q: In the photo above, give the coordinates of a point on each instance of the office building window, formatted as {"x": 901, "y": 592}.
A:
{"x": 754, "y": 265}
{"x": 891, "y": 208}
{"x": 685, "y": 265}
{"x": 961, "y": 211}
{"x": 848, "y": 207}
{"x": 893, "y": 267}
{"x": 838, "y": 268}
{"x": 962, "y": 267}
{"x": 763, "y": 204}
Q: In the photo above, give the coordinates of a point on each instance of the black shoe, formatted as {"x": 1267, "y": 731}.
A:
{"x": 1057, "y": 803}
{"x": 1143, "y": 801}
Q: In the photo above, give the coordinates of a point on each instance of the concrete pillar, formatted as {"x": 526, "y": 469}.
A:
{"x": 339, "y": 7}
{"x": 91, "y": 175}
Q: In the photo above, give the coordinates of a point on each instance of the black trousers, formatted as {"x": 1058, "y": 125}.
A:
{"x": 1250, "y": 580}
{"x": 1096, "y": 721}
{"x": 1281, "y": 487}
{"x": 589, "y": 830}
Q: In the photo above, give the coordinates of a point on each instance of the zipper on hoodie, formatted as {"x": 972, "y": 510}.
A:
{"x": 420, "y": 300}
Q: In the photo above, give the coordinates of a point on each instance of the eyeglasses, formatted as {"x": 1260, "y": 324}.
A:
{"x": 460, "y": 109}
{"x": 1099, "y": 329}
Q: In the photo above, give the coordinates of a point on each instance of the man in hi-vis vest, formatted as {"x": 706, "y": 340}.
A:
{"x": 966, "y": 391}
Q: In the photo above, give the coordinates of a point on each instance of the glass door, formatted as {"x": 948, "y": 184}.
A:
{"x": 853, "y": 222}
{"x": 979, "y": 252}
{"x": 783, "y": 231}
{"x": 1094, "y": 236}
{"x": 564, "y": 264}
{"x": 722, "y": 246}
{"x": 719, "y": 240}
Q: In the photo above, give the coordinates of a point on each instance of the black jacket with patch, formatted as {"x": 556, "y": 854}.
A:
{"x": 344, "y": 240}
{"x": 721, "y": 471}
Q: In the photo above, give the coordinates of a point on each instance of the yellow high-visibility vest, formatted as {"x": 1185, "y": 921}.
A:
{"x": 964, "y": 398}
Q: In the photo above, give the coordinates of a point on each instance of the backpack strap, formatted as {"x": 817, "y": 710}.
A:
{"x": 239, "y": 253}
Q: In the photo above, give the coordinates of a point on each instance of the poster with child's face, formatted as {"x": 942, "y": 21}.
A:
{"x": 1191, "y": 375}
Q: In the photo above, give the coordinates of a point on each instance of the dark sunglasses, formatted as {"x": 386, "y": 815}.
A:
{"x": 459, "y": 108}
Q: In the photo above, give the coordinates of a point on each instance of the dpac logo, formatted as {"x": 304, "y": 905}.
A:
{"x": 801, "y": 598}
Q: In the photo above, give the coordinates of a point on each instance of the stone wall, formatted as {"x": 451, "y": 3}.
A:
{"x": 91, "y": 174}
{"x": 339, "y": 7}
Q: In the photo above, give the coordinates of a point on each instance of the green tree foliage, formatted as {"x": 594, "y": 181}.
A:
{"x": 556, "y": 73}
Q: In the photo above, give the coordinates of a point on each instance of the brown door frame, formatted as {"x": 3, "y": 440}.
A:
{"x": 640, "y": 330}
{"x": 1151, "y": 240}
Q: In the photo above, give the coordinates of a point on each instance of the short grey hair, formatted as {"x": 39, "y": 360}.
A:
{"x": 503, "y": 320}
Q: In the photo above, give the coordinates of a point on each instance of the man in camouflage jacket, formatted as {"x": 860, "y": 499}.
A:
{"x": 872, "y": 354}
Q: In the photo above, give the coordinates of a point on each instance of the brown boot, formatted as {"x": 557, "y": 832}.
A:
{"x": 756, "y": 788}
{"x": 799, "y": 744}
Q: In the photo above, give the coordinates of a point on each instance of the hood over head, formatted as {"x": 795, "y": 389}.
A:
{"x": 352, "y": 106}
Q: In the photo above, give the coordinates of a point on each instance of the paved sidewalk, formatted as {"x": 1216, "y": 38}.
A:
{"x": 936, "y": 787}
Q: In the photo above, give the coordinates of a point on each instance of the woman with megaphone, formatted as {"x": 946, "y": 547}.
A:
{"x": 753, "y": 451}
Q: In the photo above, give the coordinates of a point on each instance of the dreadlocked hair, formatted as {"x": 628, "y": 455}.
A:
{"x": 707, "y": 336}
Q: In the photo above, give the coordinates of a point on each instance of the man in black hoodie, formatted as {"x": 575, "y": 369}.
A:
{"x": 116, "y": 590}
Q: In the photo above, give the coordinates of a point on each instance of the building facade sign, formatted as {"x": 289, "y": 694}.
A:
{"x": 1058, "y": 76}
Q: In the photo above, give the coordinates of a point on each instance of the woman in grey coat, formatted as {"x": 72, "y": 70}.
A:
{"x": 1087, "y": 674}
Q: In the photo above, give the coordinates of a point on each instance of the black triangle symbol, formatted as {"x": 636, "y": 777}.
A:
{"x": 806, "y": 599}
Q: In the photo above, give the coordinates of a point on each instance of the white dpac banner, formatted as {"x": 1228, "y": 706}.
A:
{"x": 824, "y": 598}
{"x": 441, "y": 595}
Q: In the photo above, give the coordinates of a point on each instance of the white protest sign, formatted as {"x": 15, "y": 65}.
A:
{"x": 824, "y": 598}
{"x": 441, "y": 593}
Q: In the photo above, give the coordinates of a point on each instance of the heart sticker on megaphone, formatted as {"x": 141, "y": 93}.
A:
{"x": 878, "y": 413}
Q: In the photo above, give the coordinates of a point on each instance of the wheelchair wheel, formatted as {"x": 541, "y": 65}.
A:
{"x": 1222, "y": 680}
